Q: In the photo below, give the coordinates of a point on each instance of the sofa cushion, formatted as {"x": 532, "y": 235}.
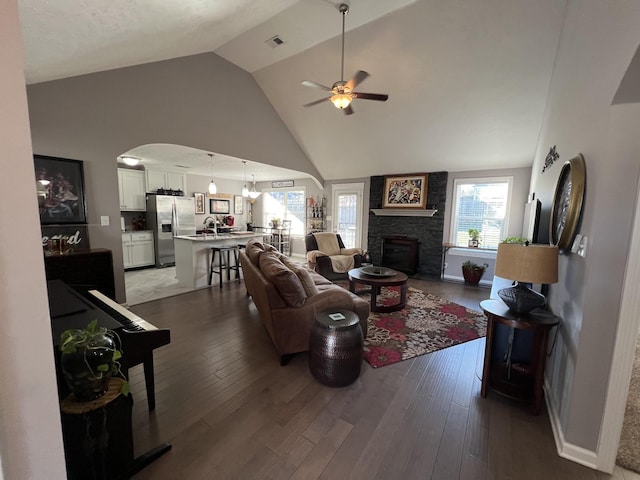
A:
{"x": 255, "y": 247}
{"x": 303, "y": 274}
{"x": 307, "y": 282}
{"x": 286, "y": 281}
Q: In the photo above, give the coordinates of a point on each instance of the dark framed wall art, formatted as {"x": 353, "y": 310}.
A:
{"x": 60, "y": 185}
{"x": 218, "y": 206}
{"x": 407, "y": 191}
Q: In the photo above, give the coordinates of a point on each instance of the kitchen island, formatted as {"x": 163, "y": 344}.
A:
{"x": 193, "y": 255}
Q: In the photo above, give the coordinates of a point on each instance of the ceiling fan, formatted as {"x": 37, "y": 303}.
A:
{"x": 343, "y": 92}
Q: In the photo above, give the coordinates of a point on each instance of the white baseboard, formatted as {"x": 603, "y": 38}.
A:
{"x": 567, "y": 450}
{"x": 460, "y": 279}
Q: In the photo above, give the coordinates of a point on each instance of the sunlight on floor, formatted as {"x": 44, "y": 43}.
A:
{"x": 151, "y": 284}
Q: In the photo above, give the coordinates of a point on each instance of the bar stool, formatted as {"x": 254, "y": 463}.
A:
{"x": 240, "y": 247}
{"x": 224, "y": 262}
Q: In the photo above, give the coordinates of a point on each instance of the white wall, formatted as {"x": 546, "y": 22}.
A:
{"x": 30, "y": 434}
{"x": 597, "y": 43}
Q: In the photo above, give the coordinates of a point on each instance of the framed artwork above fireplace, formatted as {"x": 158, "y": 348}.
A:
{"x": 406, "y": 191}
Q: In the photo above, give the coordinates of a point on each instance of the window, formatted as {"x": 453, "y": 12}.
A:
{"x": 482, "y": 204}
{"x": 285, "y": 204}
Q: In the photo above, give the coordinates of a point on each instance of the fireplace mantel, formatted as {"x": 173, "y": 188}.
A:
{"x": 403, "y": 212}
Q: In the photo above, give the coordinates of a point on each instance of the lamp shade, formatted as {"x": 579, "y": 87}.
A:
{"x": 527, "y": 263}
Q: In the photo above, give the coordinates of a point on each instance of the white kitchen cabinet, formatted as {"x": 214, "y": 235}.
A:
{"x": 165, "y": 180}
{"x": 137, "y": 249}
{"x": 132, "y": 190}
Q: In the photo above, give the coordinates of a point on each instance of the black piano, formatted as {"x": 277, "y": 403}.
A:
{"x": 75, "y": 308}
{"x": 99, "y": 445}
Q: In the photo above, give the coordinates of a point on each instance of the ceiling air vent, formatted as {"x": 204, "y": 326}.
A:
{"x": 274, "y": 41}
{"x": 181, "y": 166}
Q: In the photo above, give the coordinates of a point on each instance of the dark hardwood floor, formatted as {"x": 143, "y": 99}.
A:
{"x": 232, "y": 412}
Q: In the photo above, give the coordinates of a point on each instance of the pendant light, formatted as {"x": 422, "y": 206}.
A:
{"x": 245, "y": 190}
{"x": 253, "y": 194}
{"x": 212, "y": 186}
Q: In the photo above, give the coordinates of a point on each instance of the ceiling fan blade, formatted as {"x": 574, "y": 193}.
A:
{"x": 348, "y": 110}
{"x": 357, "y": 79}
{"x": 381, "y": 97}
{"x": 316, "y": 102}
{"x": 311, "y": 83}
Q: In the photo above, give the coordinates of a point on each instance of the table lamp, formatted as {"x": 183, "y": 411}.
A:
{"x": 525, "y": 264}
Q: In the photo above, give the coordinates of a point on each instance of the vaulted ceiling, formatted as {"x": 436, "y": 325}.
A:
{"x": 467, "y": 79}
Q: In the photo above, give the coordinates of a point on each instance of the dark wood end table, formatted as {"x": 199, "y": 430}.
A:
{"x": 517, "y": 380}
{"x": 335, "y": 347}
{"x": 376, "y": 283}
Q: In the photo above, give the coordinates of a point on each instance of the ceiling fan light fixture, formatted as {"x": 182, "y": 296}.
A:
{"x": 131, "y": 161}
{"x": 341, "y": 100}
{"x": 342, "y": 92}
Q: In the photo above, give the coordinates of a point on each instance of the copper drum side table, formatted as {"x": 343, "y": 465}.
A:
{"x": 335, "y": 348}
{"x": 392, "y": 279}
{"x": 517, "y": 380}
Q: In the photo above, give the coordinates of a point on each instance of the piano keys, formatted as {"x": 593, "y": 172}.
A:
{"x": 71, "y": 309}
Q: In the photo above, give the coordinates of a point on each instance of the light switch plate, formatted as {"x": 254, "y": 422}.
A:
{"x": 104, "y": 220}
{"x": 582, "y": 249}
{"x": 576, "y": 243}
{"x": 580, "y": 245}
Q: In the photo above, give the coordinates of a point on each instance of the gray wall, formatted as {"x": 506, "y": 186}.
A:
{"x": 589, "y": 68}
{"x": 201, "y": 101}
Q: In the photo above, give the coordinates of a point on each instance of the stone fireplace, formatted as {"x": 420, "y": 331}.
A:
{"x": 426, "y": 232}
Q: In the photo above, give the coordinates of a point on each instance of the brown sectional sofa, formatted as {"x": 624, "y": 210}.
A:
{"x": 288, "y": 296}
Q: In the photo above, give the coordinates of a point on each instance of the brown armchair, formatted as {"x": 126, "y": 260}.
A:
{"x": 327, "y": 255}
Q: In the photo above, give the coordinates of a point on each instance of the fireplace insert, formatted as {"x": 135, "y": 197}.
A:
{"x": 400, "y": 253}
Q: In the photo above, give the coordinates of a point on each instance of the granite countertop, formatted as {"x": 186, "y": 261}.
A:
{"x": 209, "y": 237}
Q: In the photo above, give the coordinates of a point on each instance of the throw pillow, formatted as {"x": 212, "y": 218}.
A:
{"x": 253, "y": 250}
{"x": 307, "y": 282}
{"x": 303, "y": 274}
{"x": 286, "y": 282}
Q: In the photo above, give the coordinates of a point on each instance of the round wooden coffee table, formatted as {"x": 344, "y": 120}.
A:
{"x": 376, "y": 282}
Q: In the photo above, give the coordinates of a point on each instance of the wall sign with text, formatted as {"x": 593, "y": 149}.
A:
{"x": 282, "y": 184}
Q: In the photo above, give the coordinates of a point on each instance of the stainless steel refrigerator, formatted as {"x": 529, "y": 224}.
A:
{"x": 169, "y": 216}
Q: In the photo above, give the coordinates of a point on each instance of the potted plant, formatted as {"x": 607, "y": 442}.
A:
{"x": 89, "y": 360}
{"x": 472, "y": 272}
{"x": 275, "y": 222}
{"x": 516, "y": 240}
{"x": 474, "y": 237}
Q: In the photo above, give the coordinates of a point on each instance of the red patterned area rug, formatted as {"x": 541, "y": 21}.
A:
{"x": 428, "y": 323}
